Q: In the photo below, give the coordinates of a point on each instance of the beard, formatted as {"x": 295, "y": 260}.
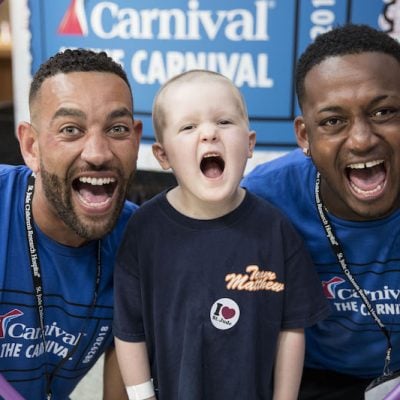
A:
{"x": 58, "y": 193}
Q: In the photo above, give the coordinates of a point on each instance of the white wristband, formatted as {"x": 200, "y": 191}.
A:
{"x": 141, "y": 392}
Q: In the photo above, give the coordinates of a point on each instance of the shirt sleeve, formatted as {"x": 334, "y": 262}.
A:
{"x": 305, "y": 303}
{"x": 128, "y": 321}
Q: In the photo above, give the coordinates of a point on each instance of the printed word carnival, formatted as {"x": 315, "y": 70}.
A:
{"x": 186, "y": 27}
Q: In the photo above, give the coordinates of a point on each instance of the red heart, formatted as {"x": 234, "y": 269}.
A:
{"x": 227, "y": 312}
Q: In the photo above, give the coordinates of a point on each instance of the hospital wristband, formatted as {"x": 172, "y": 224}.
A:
{"x": 141, "y": 392}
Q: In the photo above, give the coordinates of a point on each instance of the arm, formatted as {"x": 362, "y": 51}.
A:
{"x": 113, "y": 386}
{"x": 134, "y": 362}
{"x": 289, "y": 364}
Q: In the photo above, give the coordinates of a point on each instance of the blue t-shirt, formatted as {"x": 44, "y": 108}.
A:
{"x": 68, "y": 277}
{"x": 210, "y": 297}
{"x": 349, "y": 340}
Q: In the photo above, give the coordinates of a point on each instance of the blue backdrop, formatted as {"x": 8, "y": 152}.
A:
{"x": 255, "y": 43}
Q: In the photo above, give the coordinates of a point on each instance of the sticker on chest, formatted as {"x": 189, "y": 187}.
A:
{"x": 224, "y": 314}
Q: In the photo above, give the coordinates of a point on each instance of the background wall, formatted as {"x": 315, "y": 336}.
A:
{"x": 9, "y": 149}
{"x": 5, "y": 54}
{"x": 253, "y": 42}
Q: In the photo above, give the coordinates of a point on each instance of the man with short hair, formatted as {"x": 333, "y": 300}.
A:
{"x": 343, "y": 196}
{"x": 61, "y": 219}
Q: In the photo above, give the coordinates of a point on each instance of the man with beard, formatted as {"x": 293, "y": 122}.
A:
{"x": 61, "y": 221}
{"x": 343, "y": 196}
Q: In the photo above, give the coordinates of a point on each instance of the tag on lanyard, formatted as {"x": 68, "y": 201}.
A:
{"x": 383, "y": 386}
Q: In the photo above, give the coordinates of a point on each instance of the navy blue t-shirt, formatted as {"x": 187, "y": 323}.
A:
{"x": 210, "y": 297}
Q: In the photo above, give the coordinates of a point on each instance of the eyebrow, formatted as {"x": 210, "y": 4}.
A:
{"x": 68, "y": 112}
{"x": 330, "y": 109}
{"x": 120, "y": 112}
{"x": 73, "y": 112}
{"x": 379, "y": 98}
{"x": 374, "y": 101}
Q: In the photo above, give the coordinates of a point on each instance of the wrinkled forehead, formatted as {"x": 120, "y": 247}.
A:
{"x": 71, "y": 76}
{"x": 85, "y": 91}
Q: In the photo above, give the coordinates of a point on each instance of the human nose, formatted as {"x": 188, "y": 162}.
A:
{"x": 362, "y": 137}
{"x": 96, "y": 150}
{"x": 208, "y": 133}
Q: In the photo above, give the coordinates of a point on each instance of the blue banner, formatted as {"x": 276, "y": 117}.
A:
{"x": 254, "y": 43}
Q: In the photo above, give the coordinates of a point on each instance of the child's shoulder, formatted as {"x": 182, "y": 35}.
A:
{"x": 263, "y": 213}
{"x": 263, "y": 206}
{"x": 148, "y": 210}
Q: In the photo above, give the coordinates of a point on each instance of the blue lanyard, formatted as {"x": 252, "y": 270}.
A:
{"x": 38, "y": 284}
{"x": 337, "y": 249}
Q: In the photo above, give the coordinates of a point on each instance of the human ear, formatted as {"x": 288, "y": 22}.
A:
{"x": 28, "y": 143}
{"x": 161, "y": 155}
{"x": 252, "y": 143}
{"x": 138, "y": 129}
{"x": 301, "y": 134}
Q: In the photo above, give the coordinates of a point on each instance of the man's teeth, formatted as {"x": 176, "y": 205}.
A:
{"x": 96, "y": 181}
{"x": 368, "y": 164}
{"x": 366, "y": 192}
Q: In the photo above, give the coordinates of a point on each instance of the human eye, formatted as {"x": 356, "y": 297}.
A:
{"x": 332, "y": 122}
{"x": 119, "y": 131}
{"x": 225, "y": 122}
{"x": 187, "y": 127}
{"x": 383, "y": 114}
{"x": 71, "y": 131}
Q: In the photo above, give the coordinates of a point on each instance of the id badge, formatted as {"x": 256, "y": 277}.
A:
{"x": 384, "y": 388}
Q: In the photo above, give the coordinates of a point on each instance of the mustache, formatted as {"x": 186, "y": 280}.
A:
{"x": 74, "y": 171}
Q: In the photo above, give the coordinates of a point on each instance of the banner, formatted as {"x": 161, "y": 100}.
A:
{"x": 253, "y": 42}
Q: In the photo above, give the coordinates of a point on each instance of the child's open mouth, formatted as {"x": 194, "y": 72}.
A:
{"x": 212, "y": 165}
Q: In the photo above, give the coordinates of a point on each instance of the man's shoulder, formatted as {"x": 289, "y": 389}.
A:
{"x": 128, "y": 209}
{"x": 114, "y": 237}
{"x": 285, "y": 172}
{"x": 13, "y": 171}
{"x": 286, "y": 181}
{"x": 13, "y": 178}
{"x": 291, "y": 161}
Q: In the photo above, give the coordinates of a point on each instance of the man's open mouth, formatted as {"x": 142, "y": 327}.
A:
{"x": 367, "y": 178}
{"x": 212, "y": 165}
{"x": 95, "y": 192}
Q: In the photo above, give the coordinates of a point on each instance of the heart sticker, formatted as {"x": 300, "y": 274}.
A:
{"x": 224, "y": 313}
{"x": 227, "y": 312}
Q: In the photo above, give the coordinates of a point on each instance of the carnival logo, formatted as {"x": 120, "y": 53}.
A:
{"x": 74, "y": 21}
{"x": 108, "y": 20}
{"x": 6, "y": 318}
{"x": 329, "y": 287}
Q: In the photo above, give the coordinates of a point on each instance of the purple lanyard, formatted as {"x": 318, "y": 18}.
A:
{"x": 7, "y": 391}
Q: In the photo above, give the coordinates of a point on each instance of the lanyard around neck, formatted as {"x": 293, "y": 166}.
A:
{"x": 38, "y": 283}
{"x": 338, "y": 250}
